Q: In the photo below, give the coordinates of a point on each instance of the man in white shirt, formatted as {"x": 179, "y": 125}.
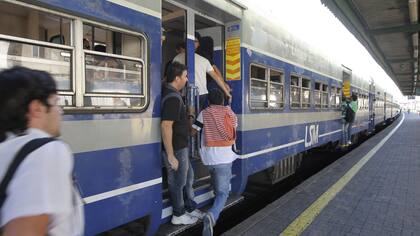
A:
{"x": 203, "y": 67}
{"x": 40, "y": 198}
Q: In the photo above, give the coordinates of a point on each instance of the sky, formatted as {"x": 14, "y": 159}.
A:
{"x": 312, "y": 20}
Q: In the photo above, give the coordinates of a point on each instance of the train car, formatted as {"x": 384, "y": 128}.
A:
{"x": 108, "y": 58}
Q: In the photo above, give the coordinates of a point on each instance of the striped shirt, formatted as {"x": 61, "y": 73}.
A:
{"x": 219, "y": 126}
{"x": 213, "y": 155}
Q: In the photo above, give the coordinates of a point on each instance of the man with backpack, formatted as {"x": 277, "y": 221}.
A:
{"x": 350, "y": 109}
{"x": 175, "y": 133}
{"x": 37, "y": 194}
{"x": 218, "y": 125}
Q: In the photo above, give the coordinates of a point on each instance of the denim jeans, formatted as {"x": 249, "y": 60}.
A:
{"x": 347, "y": 132}
{"x": 181, "y": 183}
{"x": 220, "y": 177}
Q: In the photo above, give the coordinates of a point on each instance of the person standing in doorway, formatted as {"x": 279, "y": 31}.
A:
{"x": 350, "y": 109}
{"x": 203, "y": 67}
{"x": 175, "y": 132}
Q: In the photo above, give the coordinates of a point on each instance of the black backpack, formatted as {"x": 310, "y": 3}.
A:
{"x": 350, "y": 114}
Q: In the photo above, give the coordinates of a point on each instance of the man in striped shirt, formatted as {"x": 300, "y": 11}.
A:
{"x": 218, "y": 124}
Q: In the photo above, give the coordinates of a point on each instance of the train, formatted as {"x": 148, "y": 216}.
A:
{"x": 108, "y": 58}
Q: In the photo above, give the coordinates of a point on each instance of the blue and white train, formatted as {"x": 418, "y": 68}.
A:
{"x": 107, "y": 57}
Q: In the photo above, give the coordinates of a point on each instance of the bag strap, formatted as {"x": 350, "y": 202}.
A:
{"x": 17, "y": 160}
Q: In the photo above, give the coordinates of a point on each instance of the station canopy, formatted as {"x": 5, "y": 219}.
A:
{"x": 389, "y": 29}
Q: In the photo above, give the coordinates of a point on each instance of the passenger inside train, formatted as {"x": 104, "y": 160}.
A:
{"x": 208, "y": 38}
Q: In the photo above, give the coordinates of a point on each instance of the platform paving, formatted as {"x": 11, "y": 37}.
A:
{"x": 382, "y": 198}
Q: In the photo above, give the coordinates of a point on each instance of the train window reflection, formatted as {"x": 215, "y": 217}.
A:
{"x": 267, "y": 88}
{"x": 113, "y": 75}
{"x": 324, "y": 96}
{"x": 317, "y": 94}
{"x": 53, "y": 60}
{"x": 300, "y": 92}
{"x": 25, "y": 22}
{"x": 114, "y": 68}
{"x": 38, "y": 40}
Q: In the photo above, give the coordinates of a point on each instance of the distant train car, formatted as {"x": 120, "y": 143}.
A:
{"x": 108, "y": 58}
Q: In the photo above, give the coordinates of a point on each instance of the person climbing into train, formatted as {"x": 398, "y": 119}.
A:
{"x": 350, "y": 108}
{"x": 202, "y": 67}
{"x": 206, "y": 50}
{"x": 218, "y": 125}
{"x": 175, "y": 133}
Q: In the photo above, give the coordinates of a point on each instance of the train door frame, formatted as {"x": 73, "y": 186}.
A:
{"x": 190, "y": 29}
{"x": 346, "y": 90}
{"x": 190, "y": 33}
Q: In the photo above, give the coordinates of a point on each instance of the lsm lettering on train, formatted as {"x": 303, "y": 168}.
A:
{"x": 311, "y": 135}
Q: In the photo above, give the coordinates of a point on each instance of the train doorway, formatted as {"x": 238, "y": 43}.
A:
{"x": 180, "y": 27}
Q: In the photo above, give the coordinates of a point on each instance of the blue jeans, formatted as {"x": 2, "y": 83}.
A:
{"x": 347, "y": 131}
{"x": 220, "y": 177}
{"x": 181, "y": 183}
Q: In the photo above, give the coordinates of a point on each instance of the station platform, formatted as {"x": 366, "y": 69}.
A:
{"x": 372, "y": 190}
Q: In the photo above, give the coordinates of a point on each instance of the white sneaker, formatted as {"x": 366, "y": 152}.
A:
{"x": 196, "y": 213}
{"x": 185, "y": 219}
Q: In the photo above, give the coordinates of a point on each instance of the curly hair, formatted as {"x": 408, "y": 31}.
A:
{"x": 18, "y": 87}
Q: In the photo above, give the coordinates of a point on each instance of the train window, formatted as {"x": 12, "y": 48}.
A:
{"x": 321, "y": 95}
{"x": 332, "y": 96}
{"x": 300, "y": 92}
{"x": 338, "y": 98}
{"x": 114, "y": 68}
{"x": 335, "y": 97}
{"x": 25, "y": 22}
{"x": 266, "y": 82}
{"x": 324, "y": 96}
{"x": 258, "y": 87}
{"x": 306, "y": 93}
{"x": 367, "y": 102}
{"x": 360, "y": 101}
{"x": 317, "y": 94}
{"x": 276, "y": 89}
{"x": 38, "y": 40}
{"x": 295, "y": 92}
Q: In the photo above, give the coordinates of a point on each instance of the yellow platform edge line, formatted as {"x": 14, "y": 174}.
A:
{"x": 309, "y": 215}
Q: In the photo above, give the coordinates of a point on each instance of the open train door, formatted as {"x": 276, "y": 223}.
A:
{"x": 347, "y": 75}
{"x": 181, "y": 20}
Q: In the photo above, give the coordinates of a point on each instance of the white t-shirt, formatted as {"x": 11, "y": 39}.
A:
{"x": 202, "y": 67}
{"x": 213, "y": 155}
{"x": 42, "y": 184}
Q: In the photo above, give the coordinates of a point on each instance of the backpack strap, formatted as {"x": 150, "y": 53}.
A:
{"x": 17, "y": 160}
